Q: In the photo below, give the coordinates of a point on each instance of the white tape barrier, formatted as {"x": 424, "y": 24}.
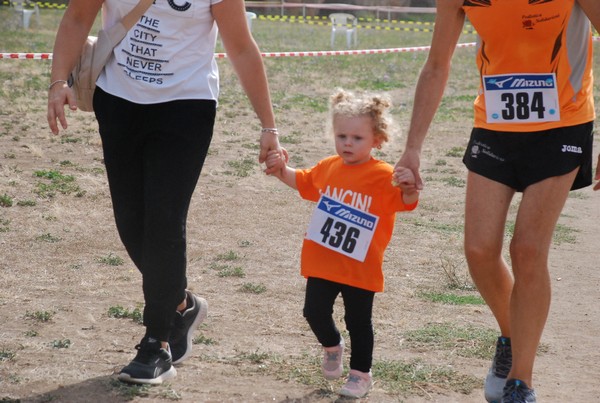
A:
{"x": 48, "y": 56}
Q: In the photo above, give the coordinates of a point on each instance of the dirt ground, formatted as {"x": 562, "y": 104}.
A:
{"x": 63, "y": 268}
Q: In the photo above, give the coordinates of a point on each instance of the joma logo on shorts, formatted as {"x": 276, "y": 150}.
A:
{"x": 571, "y": 149}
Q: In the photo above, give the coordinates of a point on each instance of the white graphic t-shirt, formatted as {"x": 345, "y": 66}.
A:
{"x": 168, "y": 55}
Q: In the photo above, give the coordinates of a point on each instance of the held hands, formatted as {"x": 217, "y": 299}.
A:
{"x": 269, "y": 143}
{"x": 404, "y": 179}
{"x": 411, "y": 160}
{"x": 59, "y": 95}
{"x": 276, "y": 162}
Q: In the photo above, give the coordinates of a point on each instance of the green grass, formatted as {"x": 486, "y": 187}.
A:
{"x": 55, "y": 181}
{"x": 38, "y": 38}
{"x": 129, "y": 391}
{"x": 465, "y": 341}
{"x": 119, "y": 312}
{"x": 578, "y": 195}
{"x": 6, "y": 200}
{"x": 4, "y": 225}
{"x": 6, "y": 355}
{"x": 226, "y": 270}
{"x": 294, "y": 137}
{"x": 228, "y": 256}
{"x": 229, "y": 271}
{"x": 26, "y": 203}
{"x": 61, "y": 343}
{"x": 251, "y": 288}
{"x": 242, "y": 167}
{"x": 452, "y": 299}
{"x": 456, "y": 152}
{"x": 301, "y": 101}
{"x": 111, "y": 260}
{"x": 432, "y": 224}
{"x": 417, "y": 376}
{"x": 201, "y": 339}
{"x": 255, "y": 357}
{"x": 396, "y": 378}
{"x": 562, "y": 233}
{"x": 67, "y": 140}
{"x": 454, "y": 181}
{"x": 40, "y": 316}
{"x": 47, "y": 237}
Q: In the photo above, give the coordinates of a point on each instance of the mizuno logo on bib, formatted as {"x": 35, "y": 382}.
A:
{"x": 521, "y": 98}
{"x": 342, "y": 228}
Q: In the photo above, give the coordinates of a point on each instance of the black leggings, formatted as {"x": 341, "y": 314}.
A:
{"x": 358, "y": 305}
{"x": 153, "y": 156}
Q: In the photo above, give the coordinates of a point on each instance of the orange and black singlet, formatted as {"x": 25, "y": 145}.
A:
{"x": 535, "y": 62}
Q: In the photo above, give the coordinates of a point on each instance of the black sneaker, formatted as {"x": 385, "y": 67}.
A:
{"x": 151, "y": 365}
{"x": 496, "y": 377}
{"x": 517, "y": 391}
{"x": 184, "y": 326}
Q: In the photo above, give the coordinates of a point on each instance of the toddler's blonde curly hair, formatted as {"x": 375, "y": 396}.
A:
{"x": 346, "y": 103}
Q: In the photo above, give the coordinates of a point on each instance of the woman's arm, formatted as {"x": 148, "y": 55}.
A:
{"x": 72, "y": 33}
{"x": 247, "y": 62}
{"x": 432, "y": 81}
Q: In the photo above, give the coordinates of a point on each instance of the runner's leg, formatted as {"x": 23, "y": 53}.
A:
{"x": 486, "y": 208}
{"x": 538, "y": 214}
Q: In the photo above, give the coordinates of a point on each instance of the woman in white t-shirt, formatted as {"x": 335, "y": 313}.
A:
{"x": 155, "y": 103}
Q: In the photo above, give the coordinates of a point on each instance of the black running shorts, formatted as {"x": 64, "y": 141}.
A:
{"x": 520, "y": 159}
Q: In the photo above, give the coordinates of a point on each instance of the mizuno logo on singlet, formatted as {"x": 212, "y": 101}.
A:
{"x": 523, "y": 83}
{"x": 519, "y": 81}
{"x": 500, "y": 84}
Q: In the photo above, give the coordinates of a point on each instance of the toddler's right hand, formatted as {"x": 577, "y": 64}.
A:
{"x": 274, "y": 158}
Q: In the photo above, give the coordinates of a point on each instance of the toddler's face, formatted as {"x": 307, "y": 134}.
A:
{"x": 354, "y": 138}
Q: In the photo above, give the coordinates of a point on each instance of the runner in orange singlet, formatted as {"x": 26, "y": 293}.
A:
{"x": 532, "y": 134}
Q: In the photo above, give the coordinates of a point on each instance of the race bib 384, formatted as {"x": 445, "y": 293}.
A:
{"x": 521, "y": 98}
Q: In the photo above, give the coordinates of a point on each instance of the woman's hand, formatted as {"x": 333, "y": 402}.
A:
{"x": 269, "y": 142}
{"x": 59, "y": 95}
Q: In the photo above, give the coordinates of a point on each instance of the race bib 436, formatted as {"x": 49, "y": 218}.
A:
{"x": 342, "y": 228}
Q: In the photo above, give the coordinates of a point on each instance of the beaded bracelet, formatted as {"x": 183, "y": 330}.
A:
{"x": 56, "y": 82}
{"x": 269, "y": 130}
